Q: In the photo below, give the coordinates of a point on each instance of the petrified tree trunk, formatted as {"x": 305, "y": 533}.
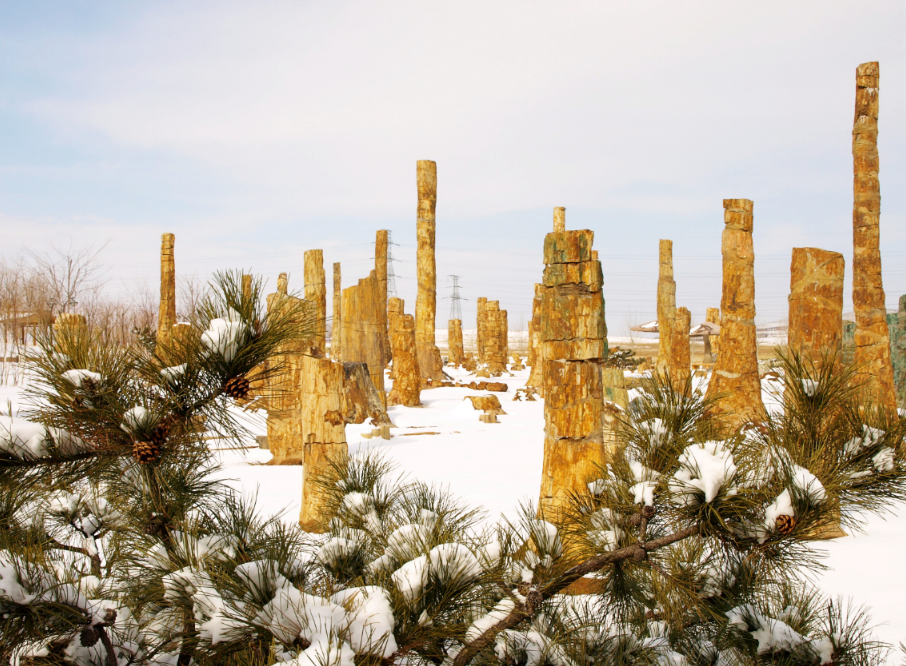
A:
{"x": 456, "y": 355}
{"x": 559, "y": 219}
{"x": 666, "y": 306}
{"x": 816, "y": 302}
{"x": 736, "y": 370}
{"x": 496, "y": 338}
{"x": 282, "y": 283}
{"x": 481, "y": 327}
{"x": 166, "y": 317}
{"x": 247, "y": 286}
{"x": 898, "y": 351}
{"x": 713, "y": 316}
{"x": 426, "y": 303}
{"x": 337, "y": 323}
{"x": 406, "y": 377}
{"x": 316, "y": 289}
{"x": 680, "y": 349}
{"x": 536, "y": 379}
{"x": 380, "y": 269}
{"x": 362, "y": 399}
{"x": 361, "y": 339}
{"x": 573, "y": 334}
{"x": 872, "y": 334}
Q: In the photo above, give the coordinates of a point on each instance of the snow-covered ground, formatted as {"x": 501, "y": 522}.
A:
{"x": 497, "y": 466}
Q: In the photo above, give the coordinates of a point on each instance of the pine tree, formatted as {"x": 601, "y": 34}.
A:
{"x": 687, "y": 548}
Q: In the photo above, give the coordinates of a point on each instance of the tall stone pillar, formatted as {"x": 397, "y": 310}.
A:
{"x": 559, "y": 219}
{"x": 713, "y": 316}
{"x": 536, "y": 354}
{"x": 337, "y": 323}
{"x": 816, "y": 303}
{"x": 481, "y": 328}
{"x": 875, "y": 371}
{"x": 666, "y": 306}
{"x": 316, "y": 289}
{"x": 282, "y": 283}
{"x": 736, "y": 370}
{"x": 573, "y": 338}
{"x": 456, "y": 355}
{"x": 426, "y": 303}
{"x": 680, "y": 349}
{"x": 898, "y": 351}
{"x": 247, "y": 286}
{"x": 166, "y": 317}
{"x": 496, "y": 343}
{"x": 380, "y": 268}
{"x": 406, "y": 376}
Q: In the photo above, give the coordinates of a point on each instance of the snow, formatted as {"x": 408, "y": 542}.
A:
{"x": 705, "y": 469}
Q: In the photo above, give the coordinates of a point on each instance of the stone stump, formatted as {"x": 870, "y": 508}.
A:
{"x": 816, "y": 303}
{"x": 361, "y": 339}
{"x": 573, "y": 335}
{"x": 735, "y": 372}
{"x": 666, "y": 307}
{"x": 680, "y": 349}
{"x": 898, "y": 351}
{"x": 496, "y": 343}
{"x": 713, "y": 316}
{"x": 336, "y": 324}
{"x": 456, "y": 355}
{"x": 875, "y": 370}
{"x": 429, "y": 361}
{"x": 481, "y": 328}
{"x": 316, "y": 290}
{"x": 166, "y": 317}
{"x": 406, "y": 376}
{"x": 536, "y": 356}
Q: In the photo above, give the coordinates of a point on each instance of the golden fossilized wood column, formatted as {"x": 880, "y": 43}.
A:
{"x": 361, "y": 339}
{"x": 816, "y": 302}
{"x": 666, "y": 306}
{"x": 712, "y": 316}
{"x": 680, "y": 348}
{"x": 536, "y": 355}
{"x": 166, "y": 317}
{"x": 559, "y": 219}
{"x": 282, "y": 283}
{"x": 573, "y": 338}
{"x": 337, "y": 323}
{"x": 316, "y": 289}
{"x": 426, "y": 302}
{"x": 380, "y": 269}
{"x": 456, "y": 355}
{"x": 407, "y": 380}
{"x": 872, "y": 334}
{"x": 247, "y": 286}
{"x": 736, "y": 370}
{"x": 324, "y": 427}
{"x": 496, "y": 342}
{"x": 481, "y": 327}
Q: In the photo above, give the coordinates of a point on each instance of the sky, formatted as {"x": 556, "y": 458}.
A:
{"x": 257, "y": 130}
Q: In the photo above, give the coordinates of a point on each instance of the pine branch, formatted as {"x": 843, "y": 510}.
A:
{"x": 638, "y": 551}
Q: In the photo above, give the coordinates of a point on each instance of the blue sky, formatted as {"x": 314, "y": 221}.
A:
{"x": 255, "y": 131}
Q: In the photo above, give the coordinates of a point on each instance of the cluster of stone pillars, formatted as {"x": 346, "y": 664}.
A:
{"x": 673, "y": 324}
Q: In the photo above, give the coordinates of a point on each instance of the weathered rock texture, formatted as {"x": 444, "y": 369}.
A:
{"x": 713, "y": 316}
{"x": 336, "y": 324}
{"x": 316, "y": 290}
{"x": 361, "y": 339}
{"x": 282, "y": 283}
{"x": 736, "y": 369}
{"x": 166, "y": 317}
{"x": 573, "y": 336}
{"x": 559, "y": 219}
{"x": 406, "y": 377}
{"x": 872, "y": 335}
{"x": 481, "y": 328}
{"x": 426, "y": 303}
{"x": 666, "y": 306}
{"x": 455, "y": 354}
{"x": 536, "y": 355}
{"x": 496, "y": 338}
{"x": 680, "y": 348}
{"x": 380, "y": 269}
{"x": 816, "y": 302}
{"x": 898, "y": 351}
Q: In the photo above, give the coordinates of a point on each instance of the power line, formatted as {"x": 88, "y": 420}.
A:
{"x": 455, "y": 307}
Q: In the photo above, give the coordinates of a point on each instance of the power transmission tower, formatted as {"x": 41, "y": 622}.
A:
{"x": 391, "y": 276}
{"x": 455, "y": 307}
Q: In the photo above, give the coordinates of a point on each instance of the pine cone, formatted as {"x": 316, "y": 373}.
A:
{"x": 237, "y": 388}
{"x": 88, "y": 636}
{"x": 785, "y": 524}
{"x": 145, "y": 452}
{"x": 160, "y": 434}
